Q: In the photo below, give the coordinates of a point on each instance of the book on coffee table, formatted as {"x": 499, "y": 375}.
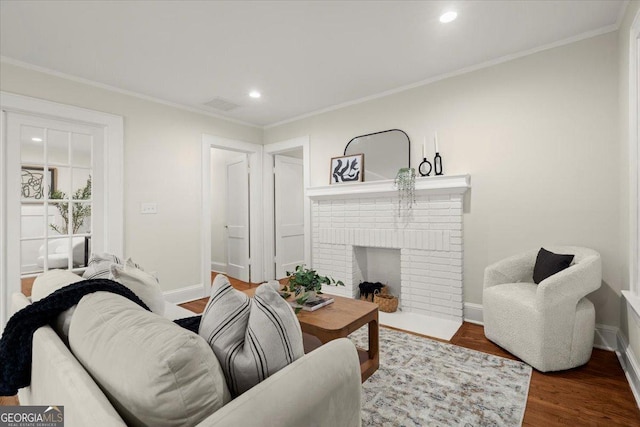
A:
{"x": 313, "y": 305}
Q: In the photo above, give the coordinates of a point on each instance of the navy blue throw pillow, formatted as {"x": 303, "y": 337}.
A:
{"x": 548, "y": 264}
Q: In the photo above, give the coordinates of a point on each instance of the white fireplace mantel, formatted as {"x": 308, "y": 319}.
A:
{"x": 450, "y": 184}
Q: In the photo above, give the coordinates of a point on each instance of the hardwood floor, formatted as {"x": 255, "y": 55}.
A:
{"x": 26, "y": 284}
{"x": 596, "y": 394}
{"x": 9, "y": 401}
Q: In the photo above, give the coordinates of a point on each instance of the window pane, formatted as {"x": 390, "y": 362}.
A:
{"x": 58, "y": 146}
{"x": 80, "y": 254}
{"x": 81, "y": 150}
{"x": 58, "y": 253}
{"x": 81, "y": 218}
{"x": 32, "y": 220}
{"x": 81, "y": 186}
{"x": 32, "y": 145}
{"x": 35, "y": 183}
{"x": 58, "y": 218}
{"x": 62, "y": 189}
{"x": 32, "y": 258}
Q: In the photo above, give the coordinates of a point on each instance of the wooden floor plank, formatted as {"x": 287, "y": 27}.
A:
{"x": 9, "y": 401}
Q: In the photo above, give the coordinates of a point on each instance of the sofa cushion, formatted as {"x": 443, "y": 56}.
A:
{"x": 49, "y": 282}
{"x": 548, "y": 264}
{"x": 154, "y": 372}
{"x": 252, "y": 337}
{"x": 143, "y": 284}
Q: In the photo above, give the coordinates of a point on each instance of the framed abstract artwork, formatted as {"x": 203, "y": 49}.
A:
{"x": 33, "y": 185}
{"x": 347, "y": 169}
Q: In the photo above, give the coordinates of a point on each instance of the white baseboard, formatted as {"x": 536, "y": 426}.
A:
{"x": 219, "y": 267}
{"x": 606, "y": 337}
{"x": 473, "y": 313}
{"x": 189, "y": 293}
{"x": 630, "y": 365}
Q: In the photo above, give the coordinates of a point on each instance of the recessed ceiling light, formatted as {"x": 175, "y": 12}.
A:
{"x": 448, "y": 17}
{"x": 255, "y": 94}
{"x": 36, "y": 139}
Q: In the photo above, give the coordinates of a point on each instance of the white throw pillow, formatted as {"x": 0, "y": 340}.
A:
{"x": 143, "y": 284}
{"x": 154, "y": 372}
{"x": 253, "y": 338}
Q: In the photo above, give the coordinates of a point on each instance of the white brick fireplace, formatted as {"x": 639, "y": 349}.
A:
{"x": 429, "y": 237}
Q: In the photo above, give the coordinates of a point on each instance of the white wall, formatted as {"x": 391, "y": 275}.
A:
{"x": 219, "y": 159}
{"x": 539, "y": 136}
{"x": 162, "y": 164}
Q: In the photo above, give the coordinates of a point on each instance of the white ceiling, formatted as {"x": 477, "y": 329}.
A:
{"x": 303, "y": 56}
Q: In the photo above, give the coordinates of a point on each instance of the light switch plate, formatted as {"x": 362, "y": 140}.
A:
{"x": 149, "y": 208}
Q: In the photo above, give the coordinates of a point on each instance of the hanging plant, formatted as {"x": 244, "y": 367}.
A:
{"x": 405, "y": 182}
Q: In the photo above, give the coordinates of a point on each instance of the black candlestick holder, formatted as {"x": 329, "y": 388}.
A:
{"x": 437, "y": 164}
{"x": 423, "y": 167}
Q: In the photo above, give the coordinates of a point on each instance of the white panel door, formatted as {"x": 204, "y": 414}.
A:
{"x": 238, "y": 218}
{"x": 55, "y": 204}
{"x": 289, "y": 214}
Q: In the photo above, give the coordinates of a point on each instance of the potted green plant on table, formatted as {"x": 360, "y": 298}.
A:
{"x": 306, "y": 283}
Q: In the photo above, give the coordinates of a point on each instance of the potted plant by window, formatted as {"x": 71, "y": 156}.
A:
{"x": 79, "y": 213}
{"x": 307, "y": 283}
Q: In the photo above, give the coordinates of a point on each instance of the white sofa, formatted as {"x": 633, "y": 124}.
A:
{"x": 320, "y": 389}
{"x": 550, "y": 325}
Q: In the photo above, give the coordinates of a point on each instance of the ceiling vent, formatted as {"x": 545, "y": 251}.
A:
{"x": 221, "y": 104}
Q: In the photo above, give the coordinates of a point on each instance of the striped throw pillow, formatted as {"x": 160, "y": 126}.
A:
{"x": 252, "y": 338}
{"x": 99, "y": 266}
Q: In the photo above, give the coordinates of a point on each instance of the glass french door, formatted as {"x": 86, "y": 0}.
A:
{"x": 54, "y": 184}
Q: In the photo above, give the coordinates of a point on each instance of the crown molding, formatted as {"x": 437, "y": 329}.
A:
{"x": 44, "y": 70}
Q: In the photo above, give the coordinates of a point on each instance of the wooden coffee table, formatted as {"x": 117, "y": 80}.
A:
{"x": 338, "y": 320}
{"x": 341, "y": 318}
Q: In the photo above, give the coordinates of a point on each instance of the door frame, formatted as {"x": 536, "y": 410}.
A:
{"x": 271, "y": 150}
{"x": 112, "y": 156}
{"x": 254, "y": 152}
{"x": 633, "y": 293}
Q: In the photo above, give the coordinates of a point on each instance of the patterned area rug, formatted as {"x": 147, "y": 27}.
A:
{"x": 422, "y": 382}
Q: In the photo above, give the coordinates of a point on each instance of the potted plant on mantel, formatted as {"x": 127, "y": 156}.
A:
{"x": 309, "y": 283}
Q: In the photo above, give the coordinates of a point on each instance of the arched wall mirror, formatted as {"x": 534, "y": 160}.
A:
{"x": 384, "y": 153}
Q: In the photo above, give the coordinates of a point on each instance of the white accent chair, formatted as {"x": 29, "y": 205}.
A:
{"x": 58, "y": 253}
{"x": 551, "y": 325}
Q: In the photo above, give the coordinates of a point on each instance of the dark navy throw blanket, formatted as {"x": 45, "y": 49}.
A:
{"x": 16, "y": 342}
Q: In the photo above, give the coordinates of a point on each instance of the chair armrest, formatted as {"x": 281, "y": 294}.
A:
{"x": 321, "y": 388}
{"x": 516, "y": 268}
{"x": 571, "y": 284}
